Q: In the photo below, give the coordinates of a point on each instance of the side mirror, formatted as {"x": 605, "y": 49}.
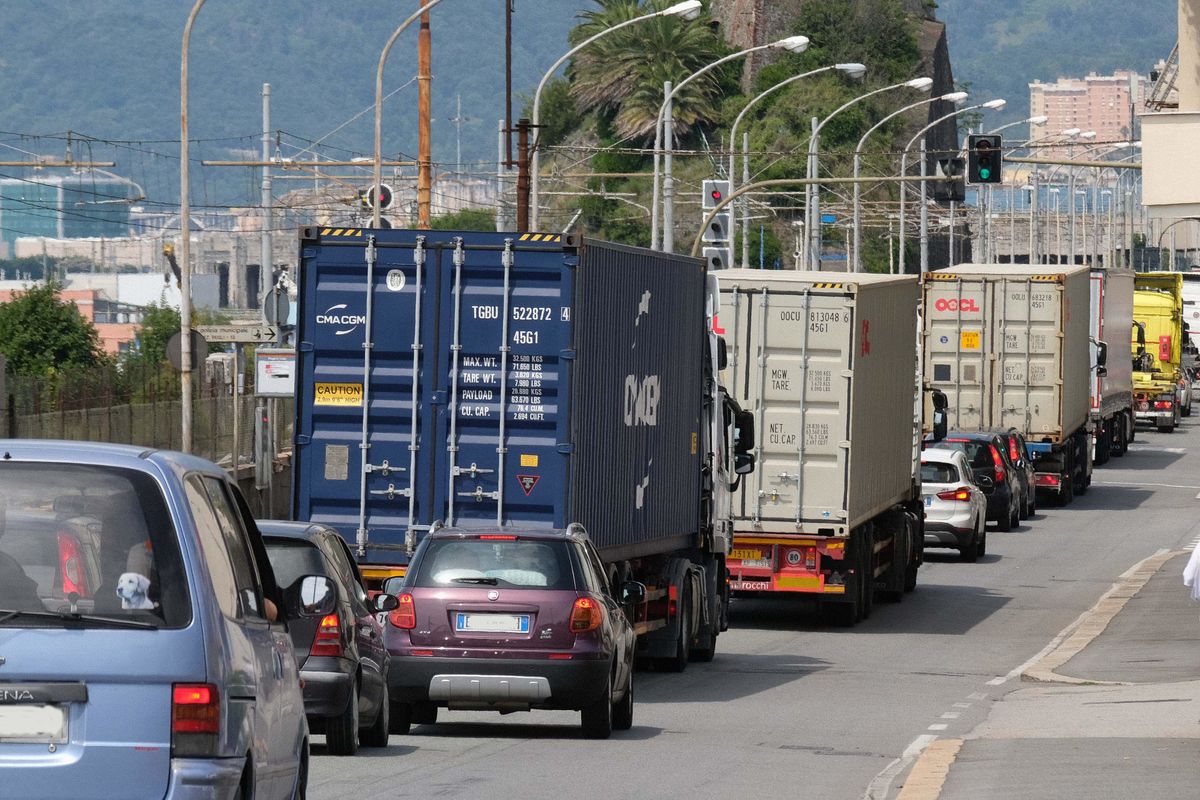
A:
{"x": 1101, "y": 353}
{"x": 985, "y": 483}
{"x": 722, "y": 353}
{"x": 940, "y": 401}
{"x": 633, "y": 593}
{"x": 392, "y": 586}
{"x": 311, "y": 596}
{"x": 941, "y": 426}
{"x": 743, "y": 463}
{"x": 744, "y": 426}
{"x": 385, "y": 602}
{"x": 1101, "y": 371}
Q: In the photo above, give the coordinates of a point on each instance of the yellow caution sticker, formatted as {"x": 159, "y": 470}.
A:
{"x": 338, "y": 394}
{"x": 969, "y": 340}
{"x": 529, "y": 460}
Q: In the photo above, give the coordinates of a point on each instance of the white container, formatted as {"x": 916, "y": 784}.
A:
{"x": 828, "y": 367}
{"x": 1112, "y": 323}
{"x": 1008, "y": 344}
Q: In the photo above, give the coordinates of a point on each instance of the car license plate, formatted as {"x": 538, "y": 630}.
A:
{"x": 491, "y": 623}
{"x": 33, "y": 723}
{"x": 928, "y": 500}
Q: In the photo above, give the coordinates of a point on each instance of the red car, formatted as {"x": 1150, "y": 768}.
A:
{"x": 511, "y": 621}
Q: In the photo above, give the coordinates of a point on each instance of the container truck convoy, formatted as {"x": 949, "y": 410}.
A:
{"x": 1161, "y": 392}
{"x": 1009, "y": 345}
{"x": 1112, "y": 384}
{"x": 828, "y": 369}
{"x": 522, "y": 381}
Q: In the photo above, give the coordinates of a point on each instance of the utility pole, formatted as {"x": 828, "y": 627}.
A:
{"x": 267, "y": 261}
{"x": 508, "y": 154}
{"x": 424, "y": 79}
{"x": 523, "y": 175}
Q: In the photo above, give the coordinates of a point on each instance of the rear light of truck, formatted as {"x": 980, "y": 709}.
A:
{"x": 1047, "y": 479}
{"x": 585, "y": 615}
{"x": 195, "y": 720}
{"x": 672, "y": 601}
{"x": 998, "y": 463}
{"x": 962, "y": 493}
{"x": 328, "y": 641}
{"x": 404, "y": 615}
{"x": 1163, "y": 405}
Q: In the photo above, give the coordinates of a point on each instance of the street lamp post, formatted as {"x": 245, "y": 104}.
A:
{"x": 991, "y": 105}
{"x": 952, "y": 97}
{"x": 185, "y": 236}
{"x": 664, "y": 138}
{"x": 850, "y": 69}
{"x": 813, "y": 193}
{"x": 687, "y": 10}
{"x": 1071, "y": 194}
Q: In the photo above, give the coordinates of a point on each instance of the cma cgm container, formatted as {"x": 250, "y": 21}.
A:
{"x": 1009, "y": 345}
{"x": 1112, "y": 387}
{"x": 828, "y": 368}
{"x": 516, "y": 381}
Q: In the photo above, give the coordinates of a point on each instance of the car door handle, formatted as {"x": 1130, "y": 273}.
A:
{"x": 278, "y": 665}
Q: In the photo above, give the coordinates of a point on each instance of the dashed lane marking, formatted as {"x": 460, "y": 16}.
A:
{"x": 929, "y": 774}
{"x": 882, "y": 783}
{"x": 1144, "y": 483}
{"x": 977, "y": 696}
{"x": 938, "y": 726}
{"x": 951, "y": 715}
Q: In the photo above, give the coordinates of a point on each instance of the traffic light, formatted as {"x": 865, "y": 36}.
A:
{"x": 984, "y": 158}
{"x": 719, "y": 230}
{"x": 366, "y": 197}
{"x": 718, "y": 257}
{"x": 953, "y": 190}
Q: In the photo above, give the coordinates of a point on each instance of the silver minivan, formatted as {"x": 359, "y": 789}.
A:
{"x": 143, "y": 648}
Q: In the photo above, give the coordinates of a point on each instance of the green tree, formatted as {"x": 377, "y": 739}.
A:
{"x": 469, "y": 219}
{"x": 40, "y": 334}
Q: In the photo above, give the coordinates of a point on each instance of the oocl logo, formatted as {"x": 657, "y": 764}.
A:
{"x": 347, "y": 322}
{"x": 946, "y": 304}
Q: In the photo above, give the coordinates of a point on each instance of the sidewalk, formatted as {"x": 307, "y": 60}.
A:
{"x": 1120, "y": 718}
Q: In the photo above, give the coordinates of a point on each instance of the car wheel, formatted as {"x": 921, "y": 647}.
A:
{"x": 425, "y": 714}
{"x": 597, "y": 719}
{"x": 1005, "y": 523}
{"x": 982, "y": 550}
{"x": 970, "y": 553}
{"x": 301, "y": 790}
{"x": 341, "y": 732}
{"x": 377, "y": 734}
{"x": 401, "y": 719}
{"x": 1015, "y": 519}
{"x": 622, "y": 715}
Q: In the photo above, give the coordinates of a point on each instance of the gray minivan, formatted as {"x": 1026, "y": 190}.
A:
{"x": 143, "y": 651}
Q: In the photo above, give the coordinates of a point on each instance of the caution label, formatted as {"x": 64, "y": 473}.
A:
{"x": 338, "y": 394}
{"x": 969, "y": 340}
{"x": 528, "y": 482}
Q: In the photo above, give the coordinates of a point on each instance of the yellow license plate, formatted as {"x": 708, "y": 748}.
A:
{"x": 747, "y": 555}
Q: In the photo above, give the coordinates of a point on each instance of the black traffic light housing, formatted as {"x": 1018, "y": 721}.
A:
{"x": 985, "y": 158}
{"x": 951, "y": 189}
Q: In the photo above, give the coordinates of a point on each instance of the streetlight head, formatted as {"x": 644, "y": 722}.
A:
{"x": 1040, "y": 119}
{"x": 993, "y": 105}
{"x": 954, "y": 97}
{"x": 688, "y": 10}
{"x": 793, "y": 44}
{"x": 1071, "y": 132}
{"x": 920, "y": 84}
{"x": 1088, "y": 135}
{"x": 853, "y": 69}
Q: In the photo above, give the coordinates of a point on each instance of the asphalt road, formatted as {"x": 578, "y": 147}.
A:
{"x": 791, "y": 706}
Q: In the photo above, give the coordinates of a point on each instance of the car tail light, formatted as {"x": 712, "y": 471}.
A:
{"x": 585, "y": 615}
{"x": 1013, "y": 455}
{"x": 195, "y": 719}
{"x": 404, "y": 615}
{"x": 328, "y": 641}
{"x": 1163, "y": 405}
{"x": 502, "y": 537}
{"x": 70, "y": 564}
{"x": 998, "y": 463}
{"x": 961, "y": 493}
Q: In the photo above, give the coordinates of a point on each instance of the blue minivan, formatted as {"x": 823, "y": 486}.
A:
{"x": 143, "y": 646}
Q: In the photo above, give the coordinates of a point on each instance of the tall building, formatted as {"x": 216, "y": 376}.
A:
{"x": 1100, "y": 103}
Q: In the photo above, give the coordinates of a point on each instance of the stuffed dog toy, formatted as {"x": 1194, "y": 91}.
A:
{"x": 132, "y": 588}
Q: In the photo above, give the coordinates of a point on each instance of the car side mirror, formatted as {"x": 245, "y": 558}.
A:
{"x": 392, "y": 585}
{"x": 385, "y": 602}
{"x": 633, "y": 593}
{"x": 984, "y": 482}
{"x": 743, "y": 463}
{"x": 311, "y": 596}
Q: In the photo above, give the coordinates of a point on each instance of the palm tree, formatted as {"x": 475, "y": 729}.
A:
{"x": 623, "y": 74}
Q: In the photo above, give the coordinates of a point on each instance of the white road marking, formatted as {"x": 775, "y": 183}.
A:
{"x": 1143, "y": 483}
{"x": 962, "y": 705}
{"x": 879, "y": 787}
{"x": 941, "y": 726}
{"x": 951, "y": 715}
{"x": 996, "y": 681}
{"x": 977, "y": 696}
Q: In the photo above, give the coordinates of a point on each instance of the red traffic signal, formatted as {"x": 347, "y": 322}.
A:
{"x": 367, "y": 197}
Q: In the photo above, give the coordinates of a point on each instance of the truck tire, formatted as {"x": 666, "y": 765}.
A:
{"x": 1130, "y": 429}
{"x": 683, "y": 645}
{"x": 917, "y": 542}
{"x": 866, "y": 571}
{"x": 901, "y": 546}
{"x": 1104, "y": 444}
{"x": 1120, "y": 436}
{"x": 1066, "y": 492}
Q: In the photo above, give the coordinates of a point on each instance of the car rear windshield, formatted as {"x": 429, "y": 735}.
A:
{"x": 978, "y": 453}
{"x": 937, "y": 472}
{"x": 87, "y": 545}
{"x": 511, "y": 563}
{"x": 292, "y": 559}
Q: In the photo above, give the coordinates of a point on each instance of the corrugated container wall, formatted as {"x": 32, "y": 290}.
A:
{"x": 1008, "y": 344}
{"x": 521, "y": 380}
{"x": 1112, "y": 323}
{"x": 829, "y": 370}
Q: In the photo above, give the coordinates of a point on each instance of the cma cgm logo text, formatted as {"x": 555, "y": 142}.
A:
{"x": 966, "y": 304}
{"x": 346, "y": 322}
{"x": 641, "y": 400}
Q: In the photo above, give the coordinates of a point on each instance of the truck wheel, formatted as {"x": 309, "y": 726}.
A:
{"x": 900, "y": 558}
{"x": 866, "y": 571}
{"x": 1120, "y": 437}
{"x": 1104, "y": 444}
{"x": 683, "y": 647}
{"x": 1130, "y": 430}
{"x": 1066, "y": 491}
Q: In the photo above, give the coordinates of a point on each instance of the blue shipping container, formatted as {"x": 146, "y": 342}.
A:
{"x": 520, "y": 380}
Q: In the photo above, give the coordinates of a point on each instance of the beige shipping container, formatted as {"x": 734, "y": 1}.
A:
{"x": 828, "y": 367}
{"x": 1008, "y": 344}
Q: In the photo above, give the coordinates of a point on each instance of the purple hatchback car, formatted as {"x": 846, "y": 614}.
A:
{"x": 504, "y": 621}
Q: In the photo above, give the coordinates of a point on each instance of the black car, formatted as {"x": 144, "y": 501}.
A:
{"x": 342, "y": 658}
{"x": 994, "y": 473}
{"x": 1018, "y": 456}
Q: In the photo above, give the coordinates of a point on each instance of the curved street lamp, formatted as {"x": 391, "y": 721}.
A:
{"x": 687, "y": 10}
{"x": 664, "y": 138}
{"x": 951, "y": 97}
{"x": 812, "y": 214}
{"x": 185, "y": 237}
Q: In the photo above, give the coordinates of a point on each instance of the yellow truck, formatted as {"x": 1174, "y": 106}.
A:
{"x": 1161, "y": 393}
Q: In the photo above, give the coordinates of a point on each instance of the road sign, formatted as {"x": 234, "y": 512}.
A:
{"x": 199, "y": 349}
{"x": 242, "y": 334}
{"x": 275, "y": 372}
{"x": 277, "y": 306}
{"x": 828, "y": 219}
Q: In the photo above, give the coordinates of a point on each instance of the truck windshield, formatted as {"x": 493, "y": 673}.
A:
{"x": 516, "y": 563}
{"x": 87, "y": 546}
